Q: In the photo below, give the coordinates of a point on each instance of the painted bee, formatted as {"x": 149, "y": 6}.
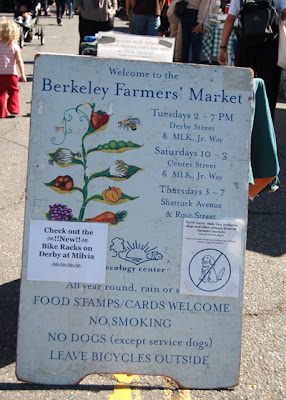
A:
{"x": 129, "y": 123}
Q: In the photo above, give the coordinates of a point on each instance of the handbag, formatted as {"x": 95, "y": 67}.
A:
{"x": 180, "y": 8}
{"x": 171, "y": 13}
{"x": 282, "y": 46}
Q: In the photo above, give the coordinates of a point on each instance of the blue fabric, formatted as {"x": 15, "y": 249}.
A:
{"x": 189, "y": 22}
{"x": 148, "y": 24}
{"x": 90, "y": 39}
{"x": 70, "y": 7}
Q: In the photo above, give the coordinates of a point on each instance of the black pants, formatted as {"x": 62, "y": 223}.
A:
{"x": 263, "y": 60}
{"x": 61, "y": 4}
{"x": 88, "y": 27}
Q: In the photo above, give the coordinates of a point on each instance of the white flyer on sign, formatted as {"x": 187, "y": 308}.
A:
{"x": 212, "y": 257}
{"x": 135, "y": 47}
{"x": 67, "y": 251}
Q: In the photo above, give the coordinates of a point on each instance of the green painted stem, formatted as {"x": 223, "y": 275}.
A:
{"x": 85, "y": 187}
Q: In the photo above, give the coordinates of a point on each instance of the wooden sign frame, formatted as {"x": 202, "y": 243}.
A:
{"x": 158, "y": 153}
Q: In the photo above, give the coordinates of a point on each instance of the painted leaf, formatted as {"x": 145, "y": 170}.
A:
{"x": 75, "y": 161}
{"x": 48, "y": 217}
{"x": 58, "y": 190}
{"x": 119, "y": 150}
{"x": 132, "y": 171}
{"x": 124, "y": 199}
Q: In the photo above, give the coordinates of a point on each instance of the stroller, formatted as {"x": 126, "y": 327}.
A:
{"x": 27, "y": 14}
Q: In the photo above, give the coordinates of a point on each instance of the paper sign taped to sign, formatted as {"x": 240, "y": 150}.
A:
{"x": 67, "y": 251}
{"x": 211, "y": 257}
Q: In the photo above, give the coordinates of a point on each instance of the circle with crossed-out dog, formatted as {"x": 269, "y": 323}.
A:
{"x": 209, "y": 270}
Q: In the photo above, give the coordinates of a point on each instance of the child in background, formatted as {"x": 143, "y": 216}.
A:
{"x": 25, "y": 11}
{"x": 10, "y": 55}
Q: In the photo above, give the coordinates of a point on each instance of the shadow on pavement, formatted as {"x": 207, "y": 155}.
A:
{"x": 267, "y": 212}
{"x": 98, "y": 388}
{"x": 266, "y": 233}
{"x": 9, "y": 301}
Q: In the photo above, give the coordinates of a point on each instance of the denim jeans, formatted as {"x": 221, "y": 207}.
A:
{"x": 148, "y": 24}
{"x": 189, "y": 21}
{"x": 70, "y": 7}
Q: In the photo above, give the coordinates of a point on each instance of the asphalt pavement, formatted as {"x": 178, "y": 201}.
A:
{"x": 263, "y": 355}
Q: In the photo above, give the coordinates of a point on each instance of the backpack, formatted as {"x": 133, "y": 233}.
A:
{"x": 258, "y": 22}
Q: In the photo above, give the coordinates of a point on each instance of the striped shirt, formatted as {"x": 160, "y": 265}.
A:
{"x": 8, "y": 58}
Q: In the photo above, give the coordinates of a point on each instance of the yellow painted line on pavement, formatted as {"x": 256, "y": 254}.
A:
{"x": 184, "y": 395}
{"x": 124, "y": 392}
{"x": 171, "y": 395}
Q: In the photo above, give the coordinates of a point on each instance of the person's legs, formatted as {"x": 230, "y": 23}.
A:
{"x": 263, "y": 61}
{"x": 153, "y": 25}
{"x": 58, "y": 11}
{"x": 105, "y": 26}
{"x": 13, "y": 105}
{"x": 3, "y": 91}
{"x": 188, "y": 21}
{"x": 86, "y": 28}
{"x": 138, "y": 24}
{"x": 268, "y": 70}
{"x": 44, "y": 5}
{"x": 197, "y": 44}
{"x": 196, "y": 40}
{"x": 70, "y": 8}
{"x": 174, "y": 29}
{"x": 60, "y": 4}
{"x": 176, "y": 32}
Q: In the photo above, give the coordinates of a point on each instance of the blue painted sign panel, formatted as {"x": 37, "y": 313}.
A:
{"x": 159, "y": 154}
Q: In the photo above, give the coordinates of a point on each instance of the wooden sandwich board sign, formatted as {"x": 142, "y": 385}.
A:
{"x": 134, "y": 236}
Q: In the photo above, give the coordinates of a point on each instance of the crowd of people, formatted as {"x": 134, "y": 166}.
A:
{"x": 261, "y": 57}
{"x": 151, "y": 17}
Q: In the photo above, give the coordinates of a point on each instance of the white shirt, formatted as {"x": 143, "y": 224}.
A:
{"x": 235, "y": 6}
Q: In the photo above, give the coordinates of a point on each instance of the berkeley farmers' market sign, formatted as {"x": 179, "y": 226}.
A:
{"x": 135, "y": 219}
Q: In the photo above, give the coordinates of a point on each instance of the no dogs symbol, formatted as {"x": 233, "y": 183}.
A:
{"x": 209, "y": 270}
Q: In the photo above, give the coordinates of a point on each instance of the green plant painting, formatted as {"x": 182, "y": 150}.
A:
{"x": 119, "y": 170}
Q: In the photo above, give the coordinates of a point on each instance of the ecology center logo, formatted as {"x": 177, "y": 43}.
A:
{"x": 135, "y": 252}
